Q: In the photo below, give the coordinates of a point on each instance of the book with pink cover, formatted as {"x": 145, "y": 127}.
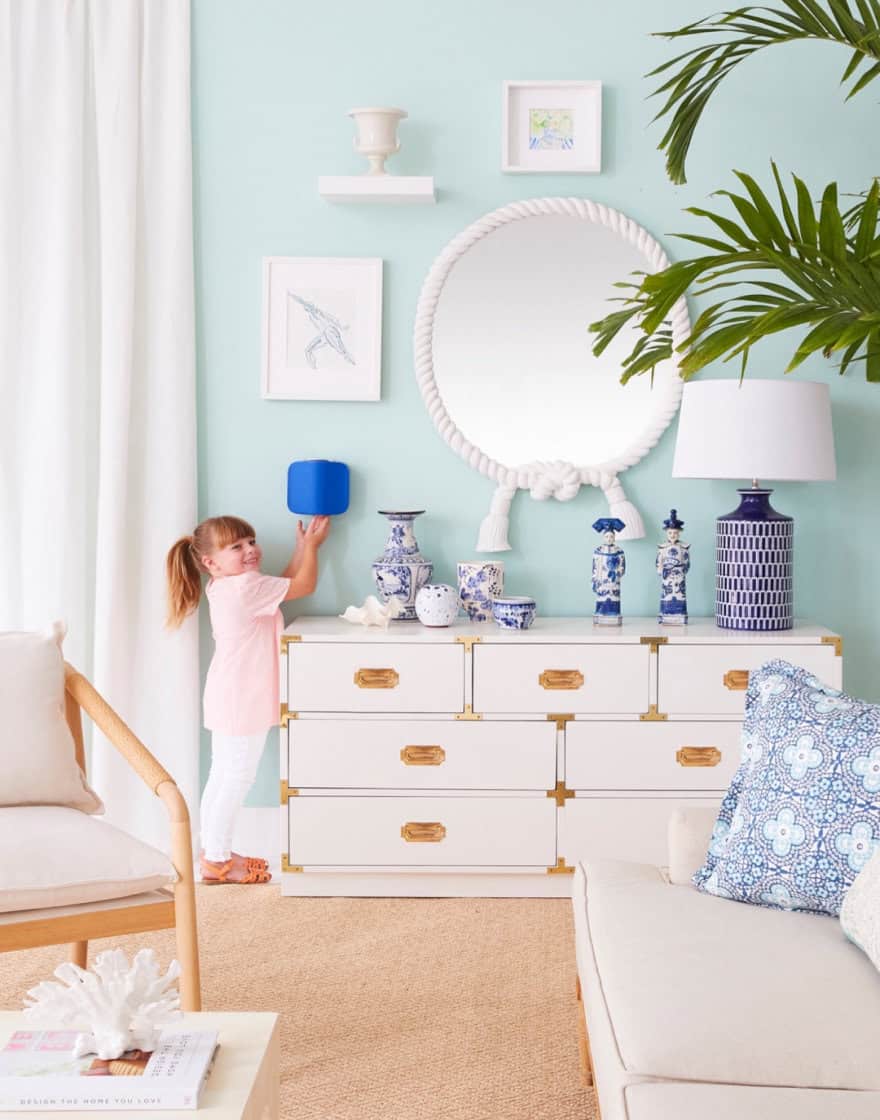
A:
{"x": 38, "y": 1071}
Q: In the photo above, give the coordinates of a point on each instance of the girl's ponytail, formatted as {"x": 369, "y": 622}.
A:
{"x": 184, "y": 581}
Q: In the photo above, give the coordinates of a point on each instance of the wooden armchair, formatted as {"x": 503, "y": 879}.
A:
{"x": 157, "y": 909}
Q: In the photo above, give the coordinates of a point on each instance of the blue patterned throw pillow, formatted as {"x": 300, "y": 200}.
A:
{"x": 802, "y": 815}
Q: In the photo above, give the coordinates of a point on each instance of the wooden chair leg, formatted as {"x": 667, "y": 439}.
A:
{"x": 584, "y": 1043}
{"x": 79, "y": 953}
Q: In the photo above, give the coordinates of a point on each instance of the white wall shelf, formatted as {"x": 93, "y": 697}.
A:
{"x": 396, "y": 189}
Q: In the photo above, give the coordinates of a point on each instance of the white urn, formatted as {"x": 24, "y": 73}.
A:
{"x": 377, "y": 135}
{"x": 437, "y": 604}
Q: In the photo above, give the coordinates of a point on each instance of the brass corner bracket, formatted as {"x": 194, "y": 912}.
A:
{"x": 286, "y": 715}
{"x": 286, "y": 639}
{"x": 286, "y": 792}
{"x": 654, "y": 641}
{"x": 468, "y": 713}
{"x": 560, "y": 719}
{"x": 652, "y": 715}
{"x": 560, "y": 868}
{"x": 286, "y": 865}
{"x": 468, "y": 641}
{"x": 833, "y": 640}
{"x": 561, "y": 794}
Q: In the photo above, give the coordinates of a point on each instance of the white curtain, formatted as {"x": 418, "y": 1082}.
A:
{"x": 97, "y": 378}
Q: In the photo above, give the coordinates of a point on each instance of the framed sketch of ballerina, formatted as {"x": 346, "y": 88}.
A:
{"x": 322, "y": 328}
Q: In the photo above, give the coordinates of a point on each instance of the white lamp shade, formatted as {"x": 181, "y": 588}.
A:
{"x": 751, "y": 429}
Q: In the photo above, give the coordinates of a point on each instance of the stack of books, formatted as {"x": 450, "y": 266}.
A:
{"x": 38, "y": 1072}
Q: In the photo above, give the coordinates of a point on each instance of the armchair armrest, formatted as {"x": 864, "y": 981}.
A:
{"x": 689, "y": 833}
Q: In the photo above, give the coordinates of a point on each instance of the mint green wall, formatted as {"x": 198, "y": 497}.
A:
{"x": 272, "y": 82}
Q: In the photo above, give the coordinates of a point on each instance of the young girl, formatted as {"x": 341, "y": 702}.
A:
{"x": 241, "y": 692}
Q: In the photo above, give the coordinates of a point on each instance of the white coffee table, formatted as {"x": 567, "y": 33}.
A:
{"x": 243, "y": 1085}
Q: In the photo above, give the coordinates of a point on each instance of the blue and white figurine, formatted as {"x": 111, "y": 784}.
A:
{"x": 401, "y": 571}
{"x": 673, "y": 564}
{"x": 609, "y": 568}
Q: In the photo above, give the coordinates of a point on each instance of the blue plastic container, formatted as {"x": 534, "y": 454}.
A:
{"x": 317, "y": 486}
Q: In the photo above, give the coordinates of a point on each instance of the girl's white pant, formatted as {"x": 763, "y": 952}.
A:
{"x": 234, "y": 762}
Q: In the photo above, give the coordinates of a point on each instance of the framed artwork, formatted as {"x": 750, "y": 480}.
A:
{"x": 322, "y": 328}
{"x": 551, "y": 126}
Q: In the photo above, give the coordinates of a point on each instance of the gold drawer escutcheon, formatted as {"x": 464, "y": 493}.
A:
{"x": 698, "y": 756}
{"x": 652, "y": 715}
{"x": 560, "y": 868}
{"x": 570, "y": 679}
{"x": 377, "y": 678}
{"x": 737, "y": 680}
{"x": 422, "y": 756}
{"x": 561, "y": 794}
{"x": 423, "y": 832}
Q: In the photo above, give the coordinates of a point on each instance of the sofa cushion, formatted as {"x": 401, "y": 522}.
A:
{"x": 699, "y": 990}
{"x": 37, "y": 759}
{"x": 54, "y": 856}
{"x": 802, "y": 815}
{"x": 860, "y": 913}
{"x": 746, "y": 1102}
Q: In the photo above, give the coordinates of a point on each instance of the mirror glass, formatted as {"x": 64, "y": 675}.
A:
{"x": 512, "y": 353}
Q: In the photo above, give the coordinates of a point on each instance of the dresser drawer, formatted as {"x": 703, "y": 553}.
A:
{"x": 442, "y": 831}
{"x": 421, "y": 754}
{"x": 633, "y": 829}
{"x": 651, "y": 756}
{"x": 713, "y": 679}
{"x": 561, "y": 678}
{"x": 375, "y": 677}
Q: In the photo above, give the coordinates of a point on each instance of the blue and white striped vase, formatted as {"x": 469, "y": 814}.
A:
{"x": 753, "y": 566}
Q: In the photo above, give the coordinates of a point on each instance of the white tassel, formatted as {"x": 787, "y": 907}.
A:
{"x": 495, "y": 525}
{"x": 620, "y": 506}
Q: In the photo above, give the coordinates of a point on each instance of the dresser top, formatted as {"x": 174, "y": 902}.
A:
{"x": 699, "y": 631}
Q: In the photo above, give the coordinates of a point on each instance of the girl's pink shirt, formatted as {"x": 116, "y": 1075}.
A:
{"x": 241, "y": 690}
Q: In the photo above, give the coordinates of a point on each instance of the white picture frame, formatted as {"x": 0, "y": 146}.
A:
{"x": 322, "y": 329}
{"x": 553, "y": 126}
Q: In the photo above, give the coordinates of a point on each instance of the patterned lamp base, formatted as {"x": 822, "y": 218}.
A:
{"x": 753, "y": 566}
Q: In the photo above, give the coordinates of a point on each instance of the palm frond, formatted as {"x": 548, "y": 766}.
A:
{"x": 690, "y": 79}
{"x": 776, "y": 265}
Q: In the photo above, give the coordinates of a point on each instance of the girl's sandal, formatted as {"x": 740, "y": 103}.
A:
{"x": 250, "y": 861}
{"x": 219, "y": 873}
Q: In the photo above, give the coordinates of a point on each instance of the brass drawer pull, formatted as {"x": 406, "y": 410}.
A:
{"x": 423, "y": 832}
{"x": 422, "y": 756}
{"x": 737, "y": 680}
{"x": 698, "y": 756}
{"x": 570, "y": 679}
{"x": 377, "y": 678}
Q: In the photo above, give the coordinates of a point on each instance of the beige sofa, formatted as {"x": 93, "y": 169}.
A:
{"x": 698, "y": 1008}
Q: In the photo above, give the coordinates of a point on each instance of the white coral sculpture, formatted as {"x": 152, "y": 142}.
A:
{"x": 117, "y": 1007}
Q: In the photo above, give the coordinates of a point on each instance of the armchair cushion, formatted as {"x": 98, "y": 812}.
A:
{"x": 37, "y": 760}
{"x": 51, "y": 855}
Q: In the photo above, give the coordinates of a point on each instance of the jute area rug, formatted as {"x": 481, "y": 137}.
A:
{"x": 391, "y": 1009}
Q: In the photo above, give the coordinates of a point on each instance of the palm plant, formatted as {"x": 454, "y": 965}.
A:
{"x": 823, "y": 262}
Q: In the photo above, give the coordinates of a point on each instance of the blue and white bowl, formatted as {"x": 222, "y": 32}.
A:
{"x": 437, "y": 604}
{"x": 514, "y": 612}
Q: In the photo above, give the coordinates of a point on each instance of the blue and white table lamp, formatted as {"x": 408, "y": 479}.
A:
{"x": 317, "y": 487}
{"x": 755, "y": 429}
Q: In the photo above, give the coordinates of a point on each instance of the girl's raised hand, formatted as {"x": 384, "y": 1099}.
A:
{"x": 317, "y": 530}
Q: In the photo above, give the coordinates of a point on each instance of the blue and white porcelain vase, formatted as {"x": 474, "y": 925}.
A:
{"x": 479, "y": 582}
{"x": 609, "y": 568}
{"x": 753, "y": 565}
{"x": 673, "y": 564}
{"x": 401, "y": 571}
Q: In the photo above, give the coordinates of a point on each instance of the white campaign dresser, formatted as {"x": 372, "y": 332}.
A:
{"x": 471, "y": 760}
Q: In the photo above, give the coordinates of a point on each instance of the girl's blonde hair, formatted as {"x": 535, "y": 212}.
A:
{"x": 184, "y": 562}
